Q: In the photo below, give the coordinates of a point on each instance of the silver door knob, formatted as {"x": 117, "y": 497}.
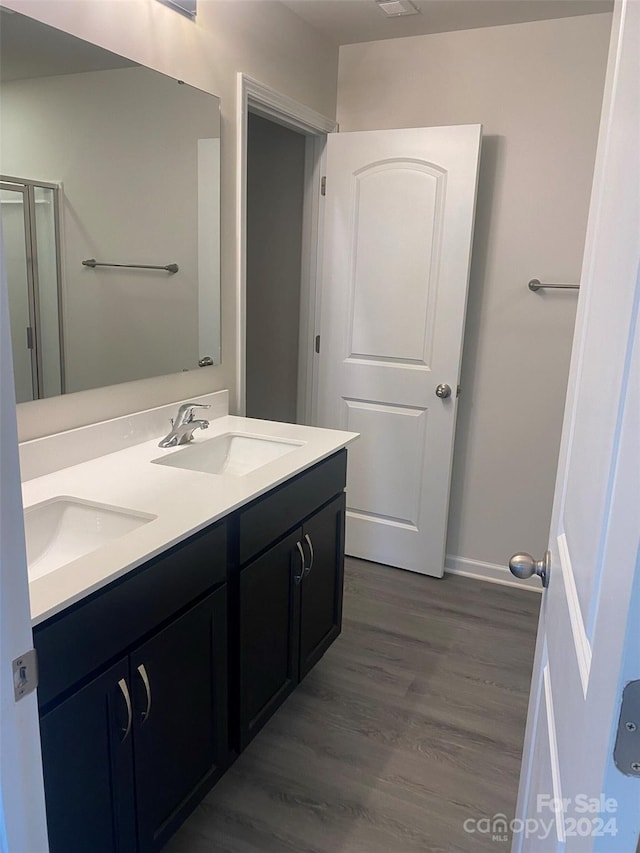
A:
{"x": 523, "y": 566}
{"x": 205, "y": 361}
{"x": 443, "y": 391}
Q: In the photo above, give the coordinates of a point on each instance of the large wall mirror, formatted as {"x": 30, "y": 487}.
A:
{"x": 110, "y": 205}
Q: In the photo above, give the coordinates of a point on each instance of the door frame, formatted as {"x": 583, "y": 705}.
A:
{"x": 262, "y": 100}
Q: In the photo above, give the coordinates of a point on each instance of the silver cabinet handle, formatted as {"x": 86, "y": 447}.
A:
{"x": 145, "y": 680}
{"x": 310, "y": 566}
{"x": 298, "y": 578}
{"x": 523, "y": 566}
{"x": 122, "y": 684}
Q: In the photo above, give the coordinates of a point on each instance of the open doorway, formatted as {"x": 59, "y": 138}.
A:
{"x": 281, "y": 155}
{"x": 275, "y": 206}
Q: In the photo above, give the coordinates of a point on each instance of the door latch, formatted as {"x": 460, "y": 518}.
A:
{"x": 25, "y": 674}
{"x": 626, "y": 752}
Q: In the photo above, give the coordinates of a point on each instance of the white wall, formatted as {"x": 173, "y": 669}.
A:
{"x": 124, "y": 145}
{"x": 263, "y": 39}
{"x": 537, "y": 89}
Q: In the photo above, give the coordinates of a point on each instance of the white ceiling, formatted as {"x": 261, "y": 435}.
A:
{"x": 349, "y": 21}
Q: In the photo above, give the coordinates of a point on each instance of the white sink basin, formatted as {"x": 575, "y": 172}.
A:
{"x": 62, "y": 529}
{"x": 231, "y": 453}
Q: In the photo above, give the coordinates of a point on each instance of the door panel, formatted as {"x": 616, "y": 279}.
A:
{"x": 180, "y": 713}
{"x": 321, "y": 588}
{"x": 88, "y": 769}
{"x": 588, "y": 635}
{"x": 398, "y": 229}
{"x": 395, "y": 437}
{"x": 545, "y": 792}
{"x": 404, "y": 200}
{"x": 269, "y": 633}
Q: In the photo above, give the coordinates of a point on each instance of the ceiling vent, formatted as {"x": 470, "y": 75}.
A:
{"x": 396, "y": 8}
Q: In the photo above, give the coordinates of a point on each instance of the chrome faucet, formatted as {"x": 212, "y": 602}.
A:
{"x": 184, "y": 425}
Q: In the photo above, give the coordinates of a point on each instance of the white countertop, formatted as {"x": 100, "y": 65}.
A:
{"x": 183, "y": 501}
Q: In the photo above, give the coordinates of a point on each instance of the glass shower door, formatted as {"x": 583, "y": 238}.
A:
{"x": 31, "y": 249}
{"x": 13, "y": 207}
{"x": 49, "y": 320}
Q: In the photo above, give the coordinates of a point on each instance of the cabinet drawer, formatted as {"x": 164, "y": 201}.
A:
{"x": 271, "y": 516}
{"x": 86, "y": 636}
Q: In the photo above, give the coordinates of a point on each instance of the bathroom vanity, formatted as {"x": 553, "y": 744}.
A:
{"x": 153, "y": 681}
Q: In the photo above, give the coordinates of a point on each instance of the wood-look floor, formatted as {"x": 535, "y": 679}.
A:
{"x": 411, "y": 723}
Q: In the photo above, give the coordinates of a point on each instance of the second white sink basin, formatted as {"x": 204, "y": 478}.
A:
{"x": 231, "y": 453}
{"x": 62, "y": 529}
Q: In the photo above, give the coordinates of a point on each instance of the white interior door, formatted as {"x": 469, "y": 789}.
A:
{"x": 572, "y": 795}
{"x": 397, "y": 246}
{"x": 22, "y": 812}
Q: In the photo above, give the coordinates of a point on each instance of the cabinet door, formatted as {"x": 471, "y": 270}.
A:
{"x": 321, "y": 588}
{"x": 179, "y": 682}
{"x": 269, "y": 629}
{"x": 88, "y": 768}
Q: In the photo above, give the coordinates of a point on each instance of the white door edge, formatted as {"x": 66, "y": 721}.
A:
{"x": 587, "y": 647}
{"x": 22, "y": 811}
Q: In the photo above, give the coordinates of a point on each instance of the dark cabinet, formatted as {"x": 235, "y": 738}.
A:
{"x": 88, "y": 767}
{"x": 133, "y": 701}
{"x": 290, "y": 609}
{"x": 269, "y": 618}
{"x": 146, "y": 684}
{"x": 123, "y": 755}
{"x": 321, "y": 586}
{"x": 179, "y": 692}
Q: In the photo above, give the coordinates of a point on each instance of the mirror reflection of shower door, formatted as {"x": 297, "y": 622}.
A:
{"x": 49, "y": 312}
{"x": 30, "y": 233}
{"x": 13, "y": 204}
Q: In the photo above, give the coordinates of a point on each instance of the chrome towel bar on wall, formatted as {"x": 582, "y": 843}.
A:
{"x": 535, "y": 284}
{"x": 170, "y": 268}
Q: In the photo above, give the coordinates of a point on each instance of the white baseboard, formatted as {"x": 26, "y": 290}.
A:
{"x": 491, "y": 572}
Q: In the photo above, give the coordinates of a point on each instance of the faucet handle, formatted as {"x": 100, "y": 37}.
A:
{"x": 185, "y": 412}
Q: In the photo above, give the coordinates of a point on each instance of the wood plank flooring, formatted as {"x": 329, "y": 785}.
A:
{"x": 411, "y": 723}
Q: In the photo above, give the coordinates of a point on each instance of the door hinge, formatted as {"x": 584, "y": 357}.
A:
{"x": 29, "y": 337}
{"x": 626, "y": 752}
{"x": 25, "y": 674}
{"x": 323, "y": 185}
{"x": 317, "y": 343}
